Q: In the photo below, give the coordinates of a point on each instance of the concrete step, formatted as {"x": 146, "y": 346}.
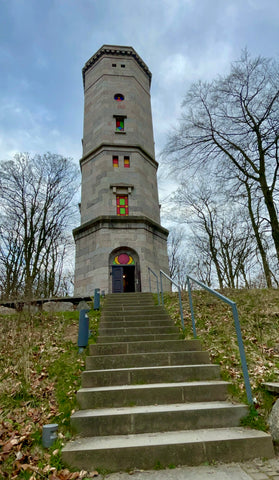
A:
{"x": 133, "y": 309}
{"x": 157, "y": 418}
{"x": 134, "y": 322}
{"x": 129, "y": 301}
{"x": 151, "y": 399}
{"x": 145, "y": 451}
{"x": 136, "y": 338}
{"x": 151, "y": 394}
{"x": 141, "y": 347}
{"x": 138, "y": 330}
{"x": 128, "y": 295}
{"x": 133, "y": 317}
{"x": 146, "y": 359}
{"x": 144, "y": 375}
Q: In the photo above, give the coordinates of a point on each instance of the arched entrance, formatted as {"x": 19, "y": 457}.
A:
{"x": 124, "y": 270}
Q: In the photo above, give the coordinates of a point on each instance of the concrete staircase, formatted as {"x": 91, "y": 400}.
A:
{"x": 150, "y": 399}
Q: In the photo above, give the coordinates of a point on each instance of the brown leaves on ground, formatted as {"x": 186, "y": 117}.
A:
{"x": 67, "y": 475}
{"x": 28, "y": 347}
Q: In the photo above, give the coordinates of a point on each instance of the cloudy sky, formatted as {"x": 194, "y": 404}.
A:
{"x": 45, "y": 43}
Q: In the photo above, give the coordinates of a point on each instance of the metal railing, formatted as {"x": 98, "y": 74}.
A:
{"x": 157, "y": 280}
{"x": 235, "y": 317}
{"x": 179, "y": 294}
{"x": 237, "y": 328}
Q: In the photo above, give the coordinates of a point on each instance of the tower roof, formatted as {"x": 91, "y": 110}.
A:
{"x": 117, "y": 51}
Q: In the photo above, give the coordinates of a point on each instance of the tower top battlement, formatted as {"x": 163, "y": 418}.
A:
{"x": 119, "y": 51}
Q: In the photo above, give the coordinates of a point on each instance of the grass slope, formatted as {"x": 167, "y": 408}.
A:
{"x": 259, "y": 318}
{"x": 40, "y": 372}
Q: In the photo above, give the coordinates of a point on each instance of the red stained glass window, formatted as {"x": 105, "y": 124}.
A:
{"x": 127, "y": 162}
{"x": 115, "y": 161}
{"x": 123, "y": 259}
{"x": 122, "y": 205}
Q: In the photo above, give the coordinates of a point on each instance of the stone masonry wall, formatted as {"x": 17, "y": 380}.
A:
{"x": 93, "y": 250}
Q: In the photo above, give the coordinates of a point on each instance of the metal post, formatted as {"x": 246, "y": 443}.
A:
{"x": 242, "y": 355}
{"x": 238, "y": 333}
{"x": 191, "y": 308}
{"x": 49, "y": 434}
{"x": 97, "y": 299}
{"x": 149, "y": 279}
{"x": 83, "y": 328}
{"x": 157, "y": 282}
{"x": 162, "y": 292}
{"x": 179, "y": 293}
{"x": 181, "y": 309}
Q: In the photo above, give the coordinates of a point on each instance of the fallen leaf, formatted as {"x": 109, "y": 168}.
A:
{"x": 82, "y": 474}
{"x": 19, "y": 455}
{"x": 74, "y": 475}
{"x": 9, "y": 445}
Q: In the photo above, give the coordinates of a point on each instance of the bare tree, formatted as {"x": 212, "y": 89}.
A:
{"x": 37, "y": 208}
{"x": 221, "y": 234}
{"x": 174, "y": 245}
{"x": 234, "y": 121}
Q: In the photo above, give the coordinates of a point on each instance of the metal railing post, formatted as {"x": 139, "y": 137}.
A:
{"x": 179, "y": 294}
{"x": 242, "y": 355}
{"x": 157, "y": 282}
{"x": 181, "y": 309}
{"x": 191, "y": 308}
{"x": 237, "y": 329}
{"x": 162, "y": 291}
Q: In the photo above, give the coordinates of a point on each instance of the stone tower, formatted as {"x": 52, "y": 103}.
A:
{"x": 120, "y": 235}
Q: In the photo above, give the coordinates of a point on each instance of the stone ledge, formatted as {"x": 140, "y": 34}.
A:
{"x": 114, "y": 221}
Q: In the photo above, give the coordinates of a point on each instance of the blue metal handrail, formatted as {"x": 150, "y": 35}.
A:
{"x": 157, "y": 280}
{"x": 237, "y": 328}
{"x": 179, "y": 294}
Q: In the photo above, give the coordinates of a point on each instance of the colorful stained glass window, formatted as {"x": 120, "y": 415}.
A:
{"x": 120, "y": 124}
{"x": 115, "y": 161}
{"x": 123, "y": 259}
{"x": 127, "y": 162}
{"x": 122, "y": 205}
{"x": 119, "y": 97}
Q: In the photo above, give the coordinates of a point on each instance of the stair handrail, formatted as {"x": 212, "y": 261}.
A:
{"x": 157, "y": 280}
{"x": 237, "y": 328}
{"x": 179, "y": 294}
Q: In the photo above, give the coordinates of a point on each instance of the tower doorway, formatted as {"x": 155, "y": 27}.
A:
{"x": 124, "y": 270}
{"x": 123, "y": 279}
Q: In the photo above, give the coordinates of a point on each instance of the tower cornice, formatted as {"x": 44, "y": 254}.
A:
{"x": 116, "y": 50}
{"x": 114, "y": 222}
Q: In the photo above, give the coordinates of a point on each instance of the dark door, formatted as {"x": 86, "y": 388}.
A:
{"x": 117, "y": 279}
